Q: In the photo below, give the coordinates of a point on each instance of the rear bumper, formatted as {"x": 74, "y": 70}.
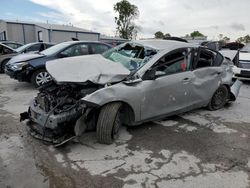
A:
{"x": 241, "y": 73}
{"x": 235, "y": 89}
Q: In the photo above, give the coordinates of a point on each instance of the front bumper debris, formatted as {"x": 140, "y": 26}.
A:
{"x": 51, "y": 121}
{"x": 17, "y": 75}
{"x": 47, "y": 135}
{"x": 55, "y": 129}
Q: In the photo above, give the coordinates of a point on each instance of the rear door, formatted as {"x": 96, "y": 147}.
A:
{"x": 35, "y": 48}
{"x": 207, "y": 76}
{"x": 98, "y": 48}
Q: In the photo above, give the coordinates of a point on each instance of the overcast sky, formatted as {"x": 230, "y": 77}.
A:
{"x": 177, "y": 17}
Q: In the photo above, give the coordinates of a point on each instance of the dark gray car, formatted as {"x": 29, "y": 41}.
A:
{"x": 130, "y": 84}
{"x": 31, "y": 67}
{"x": 6, "y": 52}
{"x": 12, "y": 44}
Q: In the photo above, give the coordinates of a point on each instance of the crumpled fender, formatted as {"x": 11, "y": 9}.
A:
{"x": 128, "y": 94}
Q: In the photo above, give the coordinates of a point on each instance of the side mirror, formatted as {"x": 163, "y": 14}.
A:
{"x": 149, "y": 74}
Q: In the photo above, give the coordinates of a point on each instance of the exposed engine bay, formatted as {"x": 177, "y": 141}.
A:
{"x": 62, "y": 98}
{"x": 55, "y": 110}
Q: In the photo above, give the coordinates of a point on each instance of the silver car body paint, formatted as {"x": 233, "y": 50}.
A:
{"x": 170, "y": 94}
{"x": 149, "y": 99}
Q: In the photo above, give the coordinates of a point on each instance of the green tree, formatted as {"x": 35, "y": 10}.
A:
{"x": 245, "y": 39}
{"x": 226, "y": 39}
{"x": 159, "y": 35}
{"x": 127, "y": 13}
{"x": 223, "y": 38}
{"x": 196, "y": 34}
{"x": 167, "y": 35}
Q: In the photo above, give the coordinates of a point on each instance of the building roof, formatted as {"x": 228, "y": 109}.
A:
{"x": 53, "y": 26}
{"x": 105, "y": 37}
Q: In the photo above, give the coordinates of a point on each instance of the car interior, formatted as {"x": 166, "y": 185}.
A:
{"x": 173, "y": 63}
{"x": 4, "y": 50}
{"x": 206, "y": 59}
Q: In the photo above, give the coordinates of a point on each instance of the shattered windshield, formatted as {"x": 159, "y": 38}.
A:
{"x": 130, "y": 55}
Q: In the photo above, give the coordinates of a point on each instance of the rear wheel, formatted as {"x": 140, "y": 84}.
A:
{"x": 109, "y": 122}
{"x": 40, "y": 77}
{"x": 219, "y": 98}
{"x": 3, "y": 65}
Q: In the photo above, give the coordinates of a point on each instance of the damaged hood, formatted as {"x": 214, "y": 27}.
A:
{"x": 94, "y": 68}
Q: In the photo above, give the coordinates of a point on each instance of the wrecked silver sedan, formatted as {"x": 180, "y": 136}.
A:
{"x": 133, "y": 83}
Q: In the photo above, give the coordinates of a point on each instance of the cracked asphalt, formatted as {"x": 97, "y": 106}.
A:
{"x": 195, "y": 149}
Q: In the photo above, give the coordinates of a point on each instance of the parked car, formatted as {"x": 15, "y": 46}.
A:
{"x": 242, "y": 69}
{"x": 135, "y": 82}
{"x": 34, "y": 47}
{"x": 8, "y": 53}
{"x": 31, "y": 67}
{"x": 12, "y": 44}
{"x": 233, "y": 46}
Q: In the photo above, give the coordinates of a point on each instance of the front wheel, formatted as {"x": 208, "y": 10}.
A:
{"x": 219, "y": 98}
{"x": 3, "y": 65}
{"x": 109, "y": 122}
{"x": 40, "y": 77}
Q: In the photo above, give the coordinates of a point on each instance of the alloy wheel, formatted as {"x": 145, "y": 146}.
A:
{"x": 42, "y": 78}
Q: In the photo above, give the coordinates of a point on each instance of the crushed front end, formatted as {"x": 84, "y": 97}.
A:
{"x": 53, "y": 113}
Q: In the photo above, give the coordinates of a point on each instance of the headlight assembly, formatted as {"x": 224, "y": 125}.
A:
{"x": 19, "y": 66}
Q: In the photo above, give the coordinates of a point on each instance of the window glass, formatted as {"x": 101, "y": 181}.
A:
{"x": 76, "y": 50}
{"x": 1, "y": 49}
{"x": 56, "y": 48}
{"x": 12, "y": 45}
{"x": 6, "y": 50}
{"x": 35, "y": 47}
{"x": 206, "y": 59}
{"x": 174, "y": 63}
{"x": 99, "y": 48}
{"x": 130, "y": 55}
{"x": 48, "y": 45}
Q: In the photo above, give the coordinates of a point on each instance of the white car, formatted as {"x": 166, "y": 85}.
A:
{"x": 242, "y": 70}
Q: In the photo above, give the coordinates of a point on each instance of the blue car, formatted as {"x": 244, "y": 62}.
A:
{"x": 31, "y": 67}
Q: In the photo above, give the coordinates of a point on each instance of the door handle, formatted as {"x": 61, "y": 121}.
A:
{"x": 186, "y": 80}
{"x": 217, "y": 72}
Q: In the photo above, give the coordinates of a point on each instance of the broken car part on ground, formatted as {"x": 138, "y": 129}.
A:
{"x": 133, "y": 83}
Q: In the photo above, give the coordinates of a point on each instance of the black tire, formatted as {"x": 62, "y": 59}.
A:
{"x": 108, "y": 123}
{"x": 219, "y": 98}
{"x": 3, "y": 65}
{"x": 35, "y": 75}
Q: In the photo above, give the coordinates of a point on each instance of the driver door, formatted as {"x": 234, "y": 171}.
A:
{"x": 169, "y": 91}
